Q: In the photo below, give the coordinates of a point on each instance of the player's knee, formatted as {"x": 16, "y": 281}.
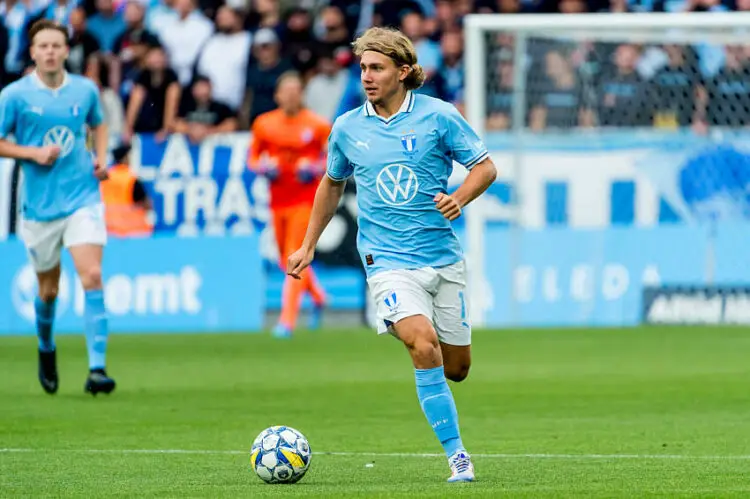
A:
{"x": 91, "y": 278}
{"x": 422, "y": 341}
{"x": 457, "y": 373}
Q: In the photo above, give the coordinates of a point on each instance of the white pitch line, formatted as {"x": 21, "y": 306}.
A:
{"x": 391, "y": 454}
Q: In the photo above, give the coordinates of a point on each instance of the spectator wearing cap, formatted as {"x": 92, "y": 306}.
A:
{"x": 263, "y": 74}
{"x": 225, "y": 58}
{"x": 127, "y": 206}
{"x": 184, "y": 38}
{"x": 200, "y": 115}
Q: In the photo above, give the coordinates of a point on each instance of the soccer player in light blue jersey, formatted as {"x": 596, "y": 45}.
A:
{"x": 400, "y": 147}
{"x": 48, "y": 112}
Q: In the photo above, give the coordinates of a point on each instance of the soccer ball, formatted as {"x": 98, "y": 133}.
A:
{"x": 280, "y": 454}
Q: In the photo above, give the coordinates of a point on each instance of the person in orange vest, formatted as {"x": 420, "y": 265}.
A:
{"x": 127, "y": 205}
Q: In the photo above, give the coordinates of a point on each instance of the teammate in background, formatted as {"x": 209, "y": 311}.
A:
{"x": 47, "y": 111}
{"x": 401, "y": 146}
{"x": 288, "y": 148}
{"x": 127, "y": 206}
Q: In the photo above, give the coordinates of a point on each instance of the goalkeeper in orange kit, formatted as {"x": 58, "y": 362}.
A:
{"x": 288, "y": 148}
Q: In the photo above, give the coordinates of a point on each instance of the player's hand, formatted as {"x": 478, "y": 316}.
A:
{"x": 448, "y": 206}
{"x": 299, "y": 261}
{"x": 46, "y": 155}
{"x": 100, "y": 171}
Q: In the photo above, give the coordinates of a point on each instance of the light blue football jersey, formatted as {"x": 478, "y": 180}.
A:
{"x": 39, "y": 116}
{"x": 399, "y": 165}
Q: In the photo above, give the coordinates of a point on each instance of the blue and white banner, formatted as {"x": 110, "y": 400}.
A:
{"x": 161, "y": 284}
{"x": 563, "y": 277}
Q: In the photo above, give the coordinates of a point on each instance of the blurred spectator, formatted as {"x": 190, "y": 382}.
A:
{"x": 130, "y": 49}
{"x": 225, "y": 58}
{"x": 428, "y": 52}
{"x": 16, "y": 17}
{"x": 3, "y": 53}
{"x": 264, "y": 14}
{"x": 729, "y": 91}
{"x": 331, "y": 29}
{"x": 500, "y": 96}
{"x": 445, "y": 16}
{"x": 620, "y": 93}
{"x": 449, "y": 79}
{"x": 155, "y": 99}
{"x": 128, "y": 207}
{"x": 183, "y": 38}
{"x": 200, "y": 115}
{"x": 572, "y": 7}
{"x": 299, "y": 45}
{"x": 160, "y": 15}
{"x": 262, "y": 75}
{"x": 555, "y": 99}
{"x": 83, "y": 47}
{"x": 112, "y": 108}
{"x": 354, "y": 94}
{"x": 389, "y": 12}
{"x": 60, "y": 10}
{"x": 106, "y": 25}
{"x": 325, "y": 90}
{"x": 674, "y": 91}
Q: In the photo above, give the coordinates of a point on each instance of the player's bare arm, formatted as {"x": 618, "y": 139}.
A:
{"x": 327, "y": 200}
{"x": 477, "y": 181}
{"x": 45, "y": 155}
{"x": 101, "y": 138}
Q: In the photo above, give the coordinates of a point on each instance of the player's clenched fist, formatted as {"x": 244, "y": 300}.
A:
{"x": 100, "y": 171}
{"x": 46, "y": 155}
{"x": 448, "y": 206}
{"x": 299, "y": 261}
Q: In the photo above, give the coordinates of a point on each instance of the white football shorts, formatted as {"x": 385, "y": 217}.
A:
{"x": 437, "y": 293}
{"x": 44, "y": 240}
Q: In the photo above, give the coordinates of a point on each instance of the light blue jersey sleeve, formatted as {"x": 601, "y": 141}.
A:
{"x": 461, "y": 142}
{"x": 8, "y": 113}
{"x": 95, "y": 116}
{"x": 338, "y": 167}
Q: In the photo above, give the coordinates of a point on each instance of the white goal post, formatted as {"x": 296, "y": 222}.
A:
{"x": 645, "y": 28}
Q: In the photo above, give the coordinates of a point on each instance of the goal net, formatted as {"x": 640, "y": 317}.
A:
{"x": 624, "y": 163}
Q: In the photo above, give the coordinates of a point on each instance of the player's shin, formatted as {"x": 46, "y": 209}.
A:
{"x": 97, "y": 330}
{"x": 45, "y": 317}
{"x": 437, "y": 403}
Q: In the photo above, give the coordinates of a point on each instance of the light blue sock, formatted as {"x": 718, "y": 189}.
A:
{"x": 96, "y": 328}
{"x": 438, "y": 405}
{"x": 45, "y": 317}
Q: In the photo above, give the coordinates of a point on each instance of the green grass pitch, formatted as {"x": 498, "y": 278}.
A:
{"x": 645, "y": 412}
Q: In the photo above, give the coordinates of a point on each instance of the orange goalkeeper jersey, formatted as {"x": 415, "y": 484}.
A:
{"x": 290, "y": 142}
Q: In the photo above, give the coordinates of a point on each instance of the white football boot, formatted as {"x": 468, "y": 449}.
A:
{"x": 461, "y": 468}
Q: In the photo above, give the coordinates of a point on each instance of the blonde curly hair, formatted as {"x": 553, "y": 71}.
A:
{"x": 395, "y": 45}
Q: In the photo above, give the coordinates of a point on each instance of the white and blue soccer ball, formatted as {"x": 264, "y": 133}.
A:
{"x": 280, "y": 454}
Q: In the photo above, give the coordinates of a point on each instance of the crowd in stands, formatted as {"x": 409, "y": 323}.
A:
{"x": 205, "y": 66}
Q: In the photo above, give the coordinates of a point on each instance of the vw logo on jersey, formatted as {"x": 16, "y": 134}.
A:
{"x": 307, "y": 135}
{"x": 397, "y": 184}
{"x": 62, "y": 137}
{"x": 25, "y": 290}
